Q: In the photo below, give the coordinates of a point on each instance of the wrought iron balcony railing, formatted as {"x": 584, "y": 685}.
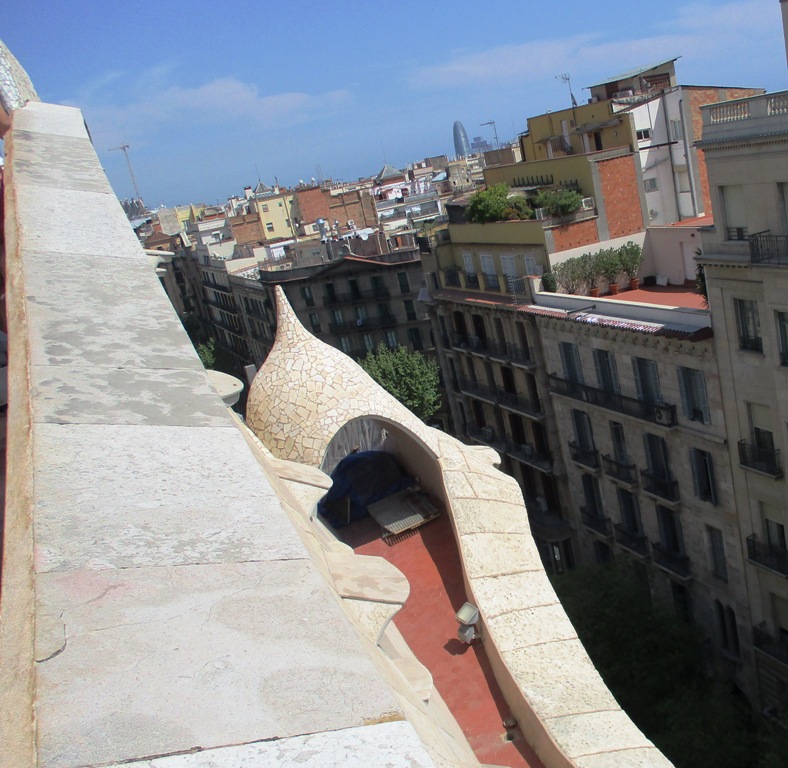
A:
{"x": 527, "y": 454}
{"x": 589, "y": 457}
{"x": 772, "y": 646}
{"x": 658, "y": 413}
{"x": 664, "y": 487}
{"x": 634, "y": 542}
{"x": 765, "y": 554}
{"x": 596, "y": 522}
{"x": 675, "y": 562}
{"x": 627, "y": 473}
{"x": 764, "y": 460}
{"x": 766, "y": 248}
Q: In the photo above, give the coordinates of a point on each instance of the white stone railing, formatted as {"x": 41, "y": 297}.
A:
{"x": 749, "y": 116}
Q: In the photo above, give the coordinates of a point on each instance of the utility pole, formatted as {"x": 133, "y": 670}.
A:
{"x": 125, "y": 149}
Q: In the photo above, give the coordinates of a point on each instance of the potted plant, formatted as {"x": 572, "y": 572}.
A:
{"x": 610, "y": 268}
{"x": 569, "y": 275}
{"x": 590, "y": 271}
{"x": 631, "y": 256}
{"x": 549, "y": 283}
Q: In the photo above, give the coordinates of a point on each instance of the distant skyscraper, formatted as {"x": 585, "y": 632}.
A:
{"x": 462, "y": 147}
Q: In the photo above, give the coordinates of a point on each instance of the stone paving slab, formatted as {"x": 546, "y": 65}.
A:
{"x": 124, "y": 496}
{"x": 104, "y": 395}
{"x": 55, "y": 216}
{"x": 76, "y": 317}
{"x": 393, "y": 745}
{"x": 50, "y": 119}
{"x": 65, "y": 162}
{"x": 595, "y": 732}
{"x": 158, "y": 660}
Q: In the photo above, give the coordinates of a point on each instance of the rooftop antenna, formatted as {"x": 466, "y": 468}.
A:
{"x": 125, "y": 149}
{"x": 564, "y": 78}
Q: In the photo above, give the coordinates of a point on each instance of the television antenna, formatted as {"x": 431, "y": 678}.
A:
{"x": 564, "y": 78}
{"x": 125, "y": 149}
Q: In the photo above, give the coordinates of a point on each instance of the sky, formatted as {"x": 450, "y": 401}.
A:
{"x": 211, "y": 97}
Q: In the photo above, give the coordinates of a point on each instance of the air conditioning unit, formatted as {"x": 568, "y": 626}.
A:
{"x": 540, "y": 503}
{"x": 663, "y": 416}
{"x": 540, "y": 214}
{"x": 587, "y": 204}
{"x": 487, "y": 433}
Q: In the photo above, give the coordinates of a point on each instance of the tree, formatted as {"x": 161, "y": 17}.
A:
{"x": 559, "y": 202}
{"x": 207, "y": 353}
{"x": 409, "y": 376}
{"x": 495, "y": 204}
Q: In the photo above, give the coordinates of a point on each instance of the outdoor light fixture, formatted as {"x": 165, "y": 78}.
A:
{"x": 467, "y": 617}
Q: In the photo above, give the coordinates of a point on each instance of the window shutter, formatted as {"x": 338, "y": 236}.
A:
{"x": 694, "y": 464}
{"x": 712, "y": 483}
{"x": 638, "y": 382}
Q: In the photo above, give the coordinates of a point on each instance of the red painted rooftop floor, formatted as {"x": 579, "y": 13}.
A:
{"x": 666, "y": 295}
{"x": 461, "y": 673}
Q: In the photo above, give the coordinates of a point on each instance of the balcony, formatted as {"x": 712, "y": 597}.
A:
{"x": 491, "y": 283}
{"x": 767, "y": 643}
{"x": 664, "y": 487}
{"x": 527, "y": 454}
{"x": 215, "y": 287}
{"x": 588, "y": 457}
{"x": 498, "y": 350}
{"x": 596, "y": 522}
{"x": 634, "y": 542}
{"x": 451, "y": 278}
{"x": 675, "y": 563}
{"x": 663, "y": 414}
{"x": 479, "y": 390}
{"x": 767, "y": 555}
{"x": 626, "y": 473}
{"x": 486, "y": 436}
{"x": 763, "y": 460}
{"x": 768, "y": 249}
{"x": 514, "y": 402}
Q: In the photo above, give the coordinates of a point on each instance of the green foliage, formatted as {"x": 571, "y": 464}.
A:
{"x": 569, "y": 274}
{"x": 559, "y": 202}
{"x": 700, "y": 280}
{"x": 652, "y": 663}
{"x": 609, "y": 264}
{"x": 631, "y": 256}
{"x": 589, "y": 269}
{"x": 207, "y": 353}
{"x": 409, "y": 376}
{"x": 549, "y": 283}
{"x": 495, "y": 204}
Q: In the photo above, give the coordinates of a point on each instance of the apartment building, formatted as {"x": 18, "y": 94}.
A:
{"x": 745, "y": 257}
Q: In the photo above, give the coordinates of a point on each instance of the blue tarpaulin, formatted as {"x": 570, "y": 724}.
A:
{"x": 359, "y": 480}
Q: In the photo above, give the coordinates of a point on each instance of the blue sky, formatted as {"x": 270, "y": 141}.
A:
{"x": 209, "y": 95}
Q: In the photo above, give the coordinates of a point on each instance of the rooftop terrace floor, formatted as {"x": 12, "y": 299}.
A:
{"x": 685, "y": 295}
{"x": 462, "y": 674}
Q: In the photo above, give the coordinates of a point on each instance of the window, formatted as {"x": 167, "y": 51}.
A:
{"x": 570, "y": 358}
{"x": 719, "y": 565}
{"x": 682, "y": 181}
{"x": 378, "y": 288}
{"x": 656, "y": 456}
{"x": 344, "y": 344}
{"x": 391, "y": 339}
{"x": 361, "y": 315}
{"x": 735, "y": 212}
{"x": 726, "y": 625}
{"x": 619, "y": 442}
{"x": 269, "y": 227}
{"x": 703, "y": 475}
{"x": 265, "y": 209}
{"x": 643, "y": 134}
{"x": 782, "y": 335}
{"x": 467, "y": 260}
{"x": 410, "y": 309}
{"x": 584, "y": 435}
{"x": 354, "y": 289}
{"x": 670, "y": 530}
{"x": 773, "y": 525}
{"x": 606, "y": 373}
{"x": 748, "y": 324}
{"x": 650, "y": 184}
{"x": 692, "y": 383}
{"x": 314, "y": 321}
{"x": 306, "y": 294}
{"x": 646, "y": 380}
{"x": 593, "y": 499}
{"x": 630, "y": 512}
{"x": 369, "y": 341}
{"x": 404, "y": 285}
{"x": 414, "y": 337}
{"x": 336, "y": 316}
{"x": 676, "y": 130}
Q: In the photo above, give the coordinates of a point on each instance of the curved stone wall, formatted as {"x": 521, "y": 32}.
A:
{"x": 302, "y": 396}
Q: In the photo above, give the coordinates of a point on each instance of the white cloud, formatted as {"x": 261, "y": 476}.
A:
{"x": 219, "y": 102}
{"x": 714, "y": 32}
